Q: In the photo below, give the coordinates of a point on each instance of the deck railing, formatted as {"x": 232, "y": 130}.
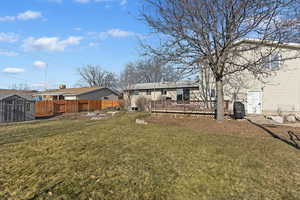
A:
{"x": 186, "y": 106}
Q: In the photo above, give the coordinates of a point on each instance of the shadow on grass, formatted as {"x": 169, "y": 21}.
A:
{"x": 292, "y": 141}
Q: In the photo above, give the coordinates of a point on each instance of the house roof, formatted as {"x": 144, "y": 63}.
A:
{"x": 17, "y": 91}
{"x": 164, "y": 85}
{"x": 72, "y": 91}
{"x": 269, "y": 43}
{"x": 27, "y": 94}
{"x": 28, "y": 97}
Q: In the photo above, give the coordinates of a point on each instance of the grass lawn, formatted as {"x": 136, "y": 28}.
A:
{"x": 118, "y": 159}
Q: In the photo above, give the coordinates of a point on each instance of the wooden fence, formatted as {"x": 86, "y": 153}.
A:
{"x": 50, "y": 108}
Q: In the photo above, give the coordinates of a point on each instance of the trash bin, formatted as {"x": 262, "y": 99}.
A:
{"x": 238, "y": 110}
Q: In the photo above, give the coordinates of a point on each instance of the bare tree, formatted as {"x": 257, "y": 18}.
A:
{"x": 95, "y": 76}
{"x": 20, "y": 86}
{"x": 129, "y": 75}
{"x": 206, "y": 86}
{"x": 213, "y": 32}
{"x": 148, "y": 71}
{"x": 237, "y": 85}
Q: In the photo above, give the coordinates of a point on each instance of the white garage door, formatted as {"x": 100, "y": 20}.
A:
{"x": 254, "y": 102}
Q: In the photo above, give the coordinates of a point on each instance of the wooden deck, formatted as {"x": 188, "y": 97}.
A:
{"x": 183, "y": 112}
{"x": 191, "y": 107}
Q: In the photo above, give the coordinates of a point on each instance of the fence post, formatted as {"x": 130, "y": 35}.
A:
{"x": 52, "y": 107}
{"x": 77, "y": 106}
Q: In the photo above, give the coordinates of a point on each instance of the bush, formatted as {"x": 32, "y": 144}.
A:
{"x": 143, "y": 104}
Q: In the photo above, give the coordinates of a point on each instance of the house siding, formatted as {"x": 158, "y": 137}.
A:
{"x": 70, "y": 97}
{"x": 99, "y": 95}
{"x": 156, "y": 95}
{"x": 280, "y": 91}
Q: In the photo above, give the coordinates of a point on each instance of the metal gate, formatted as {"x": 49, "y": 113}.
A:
{"x": 13, "y": 109}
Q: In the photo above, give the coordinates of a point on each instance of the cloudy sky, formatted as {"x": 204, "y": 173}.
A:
{"x": 46, "y": 40}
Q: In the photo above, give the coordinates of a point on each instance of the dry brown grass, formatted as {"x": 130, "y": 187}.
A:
{"x": 118, "y": 159}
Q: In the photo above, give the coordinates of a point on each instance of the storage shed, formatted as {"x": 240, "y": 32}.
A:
{"x": 16, "y": 108}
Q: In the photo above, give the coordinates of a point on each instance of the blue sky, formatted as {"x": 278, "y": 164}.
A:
{"x": 46, "y": 40}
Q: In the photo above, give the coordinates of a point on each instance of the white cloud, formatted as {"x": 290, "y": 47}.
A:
{"x": 13, "y": 70}
{"x": 27, "y": 15}
{"x": 7, "y": 18}
{"x": 119, "y": 33}
{"x": 71, "y": 41}
{"x": 39, "y": 64}
{"x": 93, "y": 44}
{"x": 9, "y": 37}
{"x": 49, "y": 43}
{"x": 114, "y": 33}
{"x": 8, "y": 53}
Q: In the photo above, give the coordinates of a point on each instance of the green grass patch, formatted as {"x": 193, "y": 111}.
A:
{"x": 118, "y": 159}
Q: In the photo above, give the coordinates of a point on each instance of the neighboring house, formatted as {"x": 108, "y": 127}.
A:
{"x": 174, "y": 91}
{"x": 97, "y": 93}
{"x": 278, "y": 93}
{"x": 16, "y": 107}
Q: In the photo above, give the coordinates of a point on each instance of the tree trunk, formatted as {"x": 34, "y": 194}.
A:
{"x": 220, "y": 100}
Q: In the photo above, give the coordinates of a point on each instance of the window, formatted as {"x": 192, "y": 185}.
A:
{"x": 105, "y": 98}
{"x": 38, "y": 98}
{"x": 136, "y": 92}
{"x": 273, "y": 62}
{"x": 28, "y": 107}
{"x": 212, "y": 93}
{"x": 186, "y": 94}
{"x": 179, "y": 95}
{"x": 148, "y": 92}
{"x": 183, "y": 95}
{"x": 164, "y": 92}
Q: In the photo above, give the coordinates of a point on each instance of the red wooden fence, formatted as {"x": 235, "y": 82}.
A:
{"x": 50, "y": 108}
